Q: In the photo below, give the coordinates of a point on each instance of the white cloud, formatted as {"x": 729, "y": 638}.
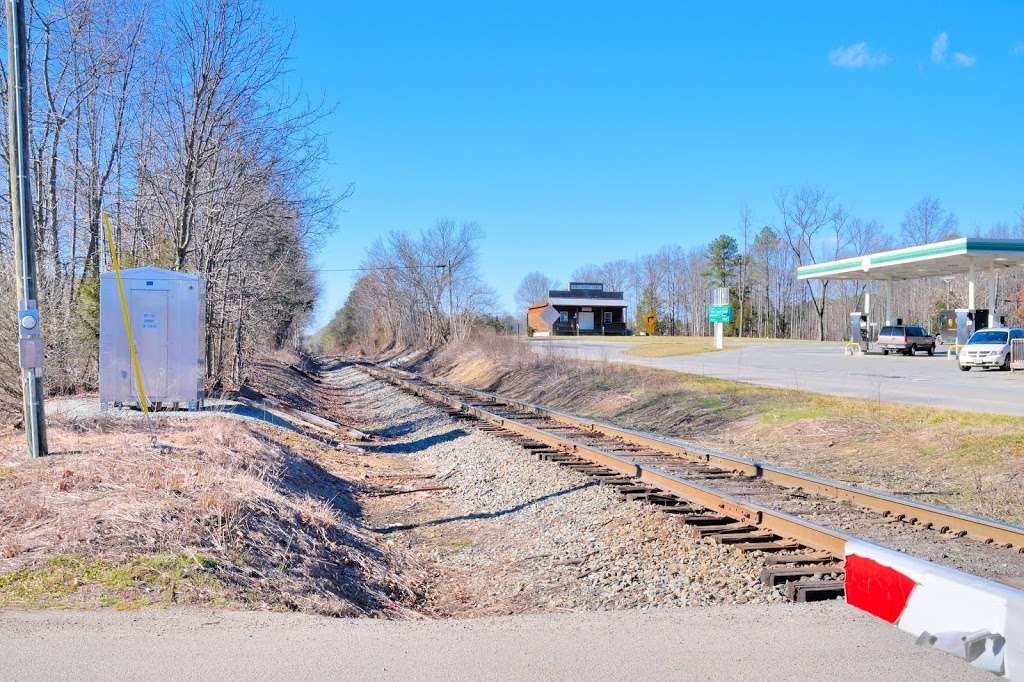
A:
{"x": 939, "y": 47}
{"x": 1018, "y": 48}
{"x": 857, "y": 56}
{"x": 965, "y": 60}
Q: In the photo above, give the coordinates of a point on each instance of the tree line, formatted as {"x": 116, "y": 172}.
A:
{"x": 408, "y": 297}
{"x": 758, "y": 263}
{"x": 417, "y": 289}
{"x": 174, "y": 118}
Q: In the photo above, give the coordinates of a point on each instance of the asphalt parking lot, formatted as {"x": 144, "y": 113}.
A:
{"x": 823, "y": 368}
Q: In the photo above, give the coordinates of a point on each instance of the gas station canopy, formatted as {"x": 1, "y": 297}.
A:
{"x": 965, "y": 255}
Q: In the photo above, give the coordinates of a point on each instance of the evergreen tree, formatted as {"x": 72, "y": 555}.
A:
{"x": 723, "y": 258}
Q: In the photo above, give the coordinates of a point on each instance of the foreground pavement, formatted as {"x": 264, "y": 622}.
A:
{"x": 825, "y": 641}
{"x": 823, "y": 368}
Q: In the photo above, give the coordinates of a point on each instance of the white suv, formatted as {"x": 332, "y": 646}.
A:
{"x": 989, "y": 348}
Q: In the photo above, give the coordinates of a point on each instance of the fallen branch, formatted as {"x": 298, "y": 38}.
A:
{"x": 573, "y": 562}
{"x": 278, "y": 408}
{"x": 307, "y": 375}
{"x": 414, "y": 490}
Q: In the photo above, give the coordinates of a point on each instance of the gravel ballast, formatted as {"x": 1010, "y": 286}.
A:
{"x": 512, "y": 534}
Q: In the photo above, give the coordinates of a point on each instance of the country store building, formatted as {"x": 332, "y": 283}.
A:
{"x": 584, "y": 309}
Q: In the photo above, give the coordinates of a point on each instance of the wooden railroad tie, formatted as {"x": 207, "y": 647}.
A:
{"x": 787, "y": 564}
{"x": 814, "y": 590}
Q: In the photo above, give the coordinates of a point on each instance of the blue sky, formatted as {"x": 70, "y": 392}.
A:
{"x": 584, "y": 133}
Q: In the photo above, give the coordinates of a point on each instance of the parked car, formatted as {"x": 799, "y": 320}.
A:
{"x": 906, "y": 338}
{"x": 989, "y": 348}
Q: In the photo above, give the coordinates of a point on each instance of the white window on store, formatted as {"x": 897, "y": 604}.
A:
{"x": 607, "y": 317}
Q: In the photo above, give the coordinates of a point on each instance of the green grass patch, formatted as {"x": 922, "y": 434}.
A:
{"x": 989, "y": 449}
{"x": 792, "y": 413}
{"x": 710, "y": 402}
{"x": 141, "y": 581}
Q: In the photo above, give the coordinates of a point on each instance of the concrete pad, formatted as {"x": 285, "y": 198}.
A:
{"x": 823, "y": 368}
{"x": 825, "y": 641}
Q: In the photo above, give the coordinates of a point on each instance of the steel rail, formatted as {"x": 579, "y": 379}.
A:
{"x": 786, "y": 525}
{"x": 943, "y": 519}
{"x": 940, "y": 518}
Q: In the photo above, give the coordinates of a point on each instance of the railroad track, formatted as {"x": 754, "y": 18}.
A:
{"x": 802, "y": 524}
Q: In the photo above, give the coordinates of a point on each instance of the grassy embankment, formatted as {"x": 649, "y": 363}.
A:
{"x": 225, "y": 513}
{"x": 969, "y": 461}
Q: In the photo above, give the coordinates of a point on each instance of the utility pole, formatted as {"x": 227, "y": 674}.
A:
{"x": 451, "y": 304}
{"x": 30, "y": 338}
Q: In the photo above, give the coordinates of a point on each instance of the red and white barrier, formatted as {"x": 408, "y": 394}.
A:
{"x": 970, "y": 617}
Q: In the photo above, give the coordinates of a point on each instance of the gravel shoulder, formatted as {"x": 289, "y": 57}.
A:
{"x": 768, "y": 642}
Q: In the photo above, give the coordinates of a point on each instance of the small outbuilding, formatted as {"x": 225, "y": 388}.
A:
{"x": 166, "y": 309}
{"x": 585, "y": 308}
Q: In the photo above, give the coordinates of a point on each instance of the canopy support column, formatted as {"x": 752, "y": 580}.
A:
{"x": 970, "y": 288}
{"x": 888, "y": 302}
{"x": 993, "y": 301}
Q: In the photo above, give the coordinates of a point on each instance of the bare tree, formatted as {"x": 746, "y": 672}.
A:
{"x": 410, "y": 296}
{"x": 174, "y": 118}
{"x": 533, "y": 289}
{"x": 746, "y": 221}
{"x": 927, "y": 221}
{"x": 815, "y": 227}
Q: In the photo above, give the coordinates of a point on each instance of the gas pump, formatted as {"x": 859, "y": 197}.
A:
{"x": 981, "y": 319}
{"x": 859, "y": 331}
{"x": 945, "y": 326}
{"x": 970, "y": 321}
{"x": 964, "y": 325}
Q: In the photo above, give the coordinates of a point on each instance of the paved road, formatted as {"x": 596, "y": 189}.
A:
{"x": 822, "y": 368}
{"x": 828, "y": 641}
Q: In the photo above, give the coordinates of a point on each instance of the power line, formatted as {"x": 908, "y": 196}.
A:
{"x": 383, "y": 267}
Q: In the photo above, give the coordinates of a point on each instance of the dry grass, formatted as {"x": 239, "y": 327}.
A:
{"x": 227, "y": 514}
{"x": 969, "y": 461}
{"x": 667, "y": 346}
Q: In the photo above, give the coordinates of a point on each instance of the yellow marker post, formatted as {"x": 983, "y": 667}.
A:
{"x": 143, "y": 401}
{"x": 652, "y": 323}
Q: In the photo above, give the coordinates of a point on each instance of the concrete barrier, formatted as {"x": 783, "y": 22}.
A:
{"x": 976, "y": 619}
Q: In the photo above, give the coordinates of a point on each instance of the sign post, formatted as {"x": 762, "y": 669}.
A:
{"x": 720, "y": 312}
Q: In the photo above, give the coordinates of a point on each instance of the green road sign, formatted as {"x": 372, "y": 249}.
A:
{"x": 720, "y": 313}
